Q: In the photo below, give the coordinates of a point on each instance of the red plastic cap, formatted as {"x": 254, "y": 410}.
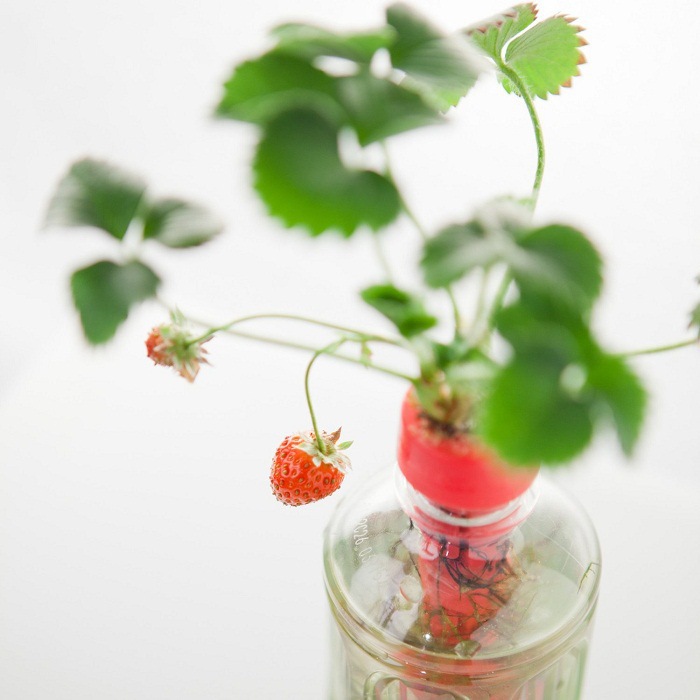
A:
{"x": 456, "y": 473}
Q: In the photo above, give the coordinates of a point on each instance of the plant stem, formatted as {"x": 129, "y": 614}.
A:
{"x": 536, "y": 125}
{"x": 660, "y": 348}
{"x": 302, "y": 346}
{"x": 310, "y": 348}
{"x": 293, "y": 317}
{"x": 381, "y": 257}
{"x": 496, "y": 305}
{"x": 481, "y": 299}
{"x": 330, "y": 349}
{"x": 456, "y": 314}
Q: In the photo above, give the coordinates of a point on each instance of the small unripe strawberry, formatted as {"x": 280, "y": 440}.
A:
{"x": 170, "y": 345}
{"x": 302, "y": 472}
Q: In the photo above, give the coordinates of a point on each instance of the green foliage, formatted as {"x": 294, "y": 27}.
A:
{"x": 316, "y": 119}
{"x": 529, "y": 419}
{"x": 457, "y": 250}
{"x": 559, "y": 385}
{"x": 404, "y": 310}
{"x": 444, "y": 68}
{"x": 179, "y": 224}
{"x": 262, "y": 89}
{"x": 104, "y": 292}
{"x": 544, "y": 56}
{"x": 556, "y": 262}
{"x": 290, "y": 91}
{"x": 378, "y": 108}
{"x": 547, "y": 56}
{"x": 309, "y": 42}
{"x": 94, "y": 193}
{"x": 302, "y": 180}
{"x": 97, "y": 194}
{"x": 619, "y": 393}
{"x": 492, "y": 35}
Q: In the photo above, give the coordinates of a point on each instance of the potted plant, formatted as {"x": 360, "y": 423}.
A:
{"x": 436, "y": 584}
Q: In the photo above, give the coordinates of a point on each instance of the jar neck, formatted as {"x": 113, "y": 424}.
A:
{"x": 438, "y": 521}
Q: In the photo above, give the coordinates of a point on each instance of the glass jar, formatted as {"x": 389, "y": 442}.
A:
{"x": 430, "y": 604}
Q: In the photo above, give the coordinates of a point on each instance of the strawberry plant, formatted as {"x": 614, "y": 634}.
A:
{"x": 525, "y": 375}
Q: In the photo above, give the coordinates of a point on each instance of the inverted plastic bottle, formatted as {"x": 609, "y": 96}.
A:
{"x": 455, "y": 577}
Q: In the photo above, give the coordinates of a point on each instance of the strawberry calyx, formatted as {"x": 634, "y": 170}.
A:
{"x": 326, "y": 450}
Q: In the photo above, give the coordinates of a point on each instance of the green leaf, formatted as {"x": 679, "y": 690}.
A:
{"x": 492, "y": 35}
{"x": 620, "y": 393}
{"x": 557, "y": 262}
{"x": 261, "y": 89}
{"x": 309, "y": 42}
{"x": 179, "y": 224}
{"x": 487, "y": 239}
{"x": 547, "y": 56}
{"x": 529, "y": 419}
{"x": 379, "y": 109}
{"x": 302, "y": 180}
{"x": 543, "y": 332}
{"x": 457, "y": 250}
{"x": 95, "y": 193}
{"x": 557, "y": 344}
{"x": 104, "y": 292}
{"x": 404, "y": 310}
{"x": 444, "y": 68}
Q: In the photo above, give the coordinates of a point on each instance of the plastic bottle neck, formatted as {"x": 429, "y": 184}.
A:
{"x": 439, "y": 521}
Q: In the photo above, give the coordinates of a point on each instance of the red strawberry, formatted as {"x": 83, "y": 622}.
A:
{"x": 302, "y": 473}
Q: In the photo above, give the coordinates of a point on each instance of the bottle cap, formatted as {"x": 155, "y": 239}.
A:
{"x": 456, "y": 473}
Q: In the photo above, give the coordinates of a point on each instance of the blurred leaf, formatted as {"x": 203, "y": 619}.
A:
{"x": 619, "y": 390}
{"x": 104, "y": 292}
{"x": 443, "y": 67}
{"x": 95, "y": 193}
{"x": 404, "y": 310}
{"x": 260, "y": 89}
{"x": 379, "y": 108}
{"x": 457, "y": 250}
{"x": 301, "y": 179}
{"x": 180, "y": 224}
{"x": 558, "y": 262}
{"x": 492, "y": 35}
{"x": 548, "y": 335}
{"x": 309, "y": 42}
{"x": 529, "y": 419}
{"x": 577, "y": 377}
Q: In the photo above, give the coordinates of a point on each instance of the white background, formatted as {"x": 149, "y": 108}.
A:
{"x": 141, "y": 554}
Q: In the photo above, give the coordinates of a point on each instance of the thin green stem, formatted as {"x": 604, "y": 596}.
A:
{"x": 496, "y": 305}
{"x": 660, "y": 348}
{"x": 480, "y": 317}
{"x": 293, "y": 317}
{"x": 310, "y": 348}
{"x": 328, "y": 349}
{"x": 456, "y": 314}
{"x": 302, "y": 346}
{"x": 382, "y": 258}
{"x": 536, "y": 125}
